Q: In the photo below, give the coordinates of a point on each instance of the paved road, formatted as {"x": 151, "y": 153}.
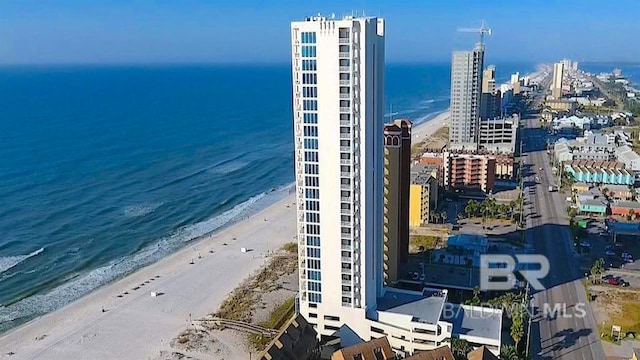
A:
{"x": 566, "y": 334}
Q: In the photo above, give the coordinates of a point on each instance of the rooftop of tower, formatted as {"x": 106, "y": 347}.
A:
{"x": 333, "y": 17}
{"x": 425, "y": 307}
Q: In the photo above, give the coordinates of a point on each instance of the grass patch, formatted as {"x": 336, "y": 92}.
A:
{"x": 291, "y": 247}
{"x": 240, "y": 303}
{"x": 423, "y": 242}
{"x": 442, "y": 132}
{"x": 623, "y": 309}
{"x": 278, "y": 317}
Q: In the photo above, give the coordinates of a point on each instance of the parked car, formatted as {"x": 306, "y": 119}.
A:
{"x": 609, "y": 253}
{"x": 613, "y": 281}
{"x": 585, "y": 244}
{"x": 624, "y": 284}
{"x": 607, "y": 277}
{"x": 414, "y": 276}
{"x": 422, "y": 277}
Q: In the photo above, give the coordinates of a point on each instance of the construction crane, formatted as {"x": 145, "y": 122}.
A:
{"x": 482, "y": 30}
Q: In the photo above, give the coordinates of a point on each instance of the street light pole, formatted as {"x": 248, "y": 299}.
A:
{"x": 529, "y": 326}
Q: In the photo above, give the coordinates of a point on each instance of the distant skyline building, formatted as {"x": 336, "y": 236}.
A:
{"x": 466, "y": 87}
{"x": 556, "y": 84}
{"x": 397, "y": 177}
{"x": 338, "y": 114}
{"x": 489, "y": 102}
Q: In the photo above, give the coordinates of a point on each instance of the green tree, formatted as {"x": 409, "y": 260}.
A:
{"x": 460, "y": 348}
{"x": 597, "y": 268}
{"x": 509, "y": 352}
{"x": 517, "y": 324}
{"x": 631, "y": 215}
{"x": 443, "y": 215}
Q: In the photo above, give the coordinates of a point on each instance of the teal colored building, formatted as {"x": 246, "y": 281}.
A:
{"x": 597, "y": 206}
{"x": 600, "y": 175}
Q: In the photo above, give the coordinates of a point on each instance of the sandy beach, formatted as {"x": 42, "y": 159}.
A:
{"x": 139, "y": 326}
{"x": 422, "y": 130}
{"x": 123, "y": 321}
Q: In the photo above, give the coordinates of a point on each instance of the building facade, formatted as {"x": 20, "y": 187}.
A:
{"x": 397, "y": 168}
{"x": 423, "y": 194}
{"x": 338, "y": 109}
{"x": 556, "y": 84}
{"x": 466, "y": 86}
{"x": 499, "y": 135}
{"x": 469, "y": 171}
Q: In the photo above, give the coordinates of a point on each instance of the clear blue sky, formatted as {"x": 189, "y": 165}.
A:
{"x": 257, "y": 31}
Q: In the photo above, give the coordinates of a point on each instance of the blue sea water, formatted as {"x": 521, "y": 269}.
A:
{"x": 106, "y": 169}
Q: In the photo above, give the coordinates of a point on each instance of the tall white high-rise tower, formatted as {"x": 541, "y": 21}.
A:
{"x": 466, "y": 88}
{"x": 556, "y": 85}
{"x": 338, "y": 115}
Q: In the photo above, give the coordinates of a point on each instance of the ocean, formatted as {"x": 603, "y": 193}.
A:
{"x": 105, "y": 169}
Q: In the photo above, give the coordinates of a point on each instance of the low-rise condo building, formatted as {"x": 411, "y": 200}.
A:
{"x": 469, "y": 171}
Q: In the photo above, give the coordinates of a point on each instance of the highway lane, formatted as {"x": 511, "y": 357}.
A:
{"x": 565, "y": 334}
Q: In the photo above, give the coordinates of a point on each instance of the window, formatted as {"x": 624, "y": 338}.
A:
{"x": 311, "y": 181}
{"x": 332, "y": 318}
{"x": 314, "y": 286}
{"x": 309, "y": 65}
{"x": 313, "y": 240}
{"x": 313, "y": 229}
{"x": 313, "y": 217}
{"x": 313, "y": 315}
{"x": 313, "y": 275}
{"x": 311, "y": 169}
{"x": 315, "y": 297}
{"x": 308, "y": 51}
{"x": 313, "y": 264}
{"x": 312, "y": 206}
{"x": 311, "y": 144}
{"x": 310, "y": 118}
{"x": 312, "y": 193}
{"x": 313, "y": 306}
{"x": 310, "y": 78}
{"x": 310, "y": 105}
{"x": 308, "y": 37}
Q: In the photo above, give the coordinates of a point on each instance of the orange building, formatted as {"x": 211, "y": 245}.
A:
{"x": 469, "y": 171}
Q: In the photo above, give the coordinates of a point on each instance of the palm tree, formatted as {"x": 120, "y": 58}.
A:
{"x": 509, "y": 352}
{"x": 631, "y": 215}
{"x": 460, "y": 348}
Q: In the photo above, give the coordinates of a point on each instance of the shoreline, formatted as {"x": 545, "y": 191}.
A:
{"x": 122, "y": 319}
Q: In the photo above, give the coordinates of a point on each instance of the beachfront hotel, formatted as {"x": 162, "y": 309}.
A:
{"x": 466, "y": 87}
{"x": 338, "y": 109}
{"x": 556, "y": 84}
{"x": 397, "y": 181}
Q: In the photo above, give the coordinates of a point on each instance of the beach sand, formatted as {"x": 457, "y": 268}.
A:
{"x": 136, "y": 325}
{"x": 422, "y": 130}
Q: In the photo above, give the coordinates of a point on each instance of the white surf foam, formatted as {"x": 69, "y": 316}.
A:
{"x": 228, "y": 167}
{"x": 9, "y": 262}
{"x": 140, "y": 209}
{"x": 80, "y": 285}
